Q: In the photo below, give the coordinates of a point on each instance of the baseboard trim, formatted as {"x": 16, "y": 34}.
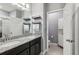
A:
{"x": 44, "y": 53}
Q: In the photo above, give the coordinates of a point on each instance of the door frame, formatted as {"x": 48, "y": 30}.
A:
{"x": 57, "y": 10}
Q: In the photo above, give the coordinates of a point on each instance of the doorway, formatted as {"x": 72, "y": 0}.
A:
{"x": 55, "y": 32}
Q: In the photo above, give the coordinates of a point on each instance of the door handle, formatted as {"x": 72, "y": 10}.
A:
{"x": 71, "y": 41}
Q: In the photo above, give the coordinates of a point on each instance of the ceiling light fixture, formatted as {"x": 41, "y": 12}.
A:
{"x": 24, "y": 6}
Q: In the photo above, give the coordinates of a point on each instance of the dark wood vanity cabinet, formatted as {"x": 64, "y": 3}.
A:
{"x": 35, "y": 46}
{"x": 25, "y": 52}
{"x": 35, "y": 49}
{"x": 30, "y": 48}
{"x": 17, "y": 50}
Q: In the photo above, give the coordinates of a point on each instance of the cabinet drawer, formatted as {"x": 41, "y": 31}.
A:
{"x": 32, "y": 50}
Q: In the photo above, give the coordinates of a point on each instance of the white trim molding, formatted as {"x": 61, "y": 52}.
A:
{"x": 54, "y": 11}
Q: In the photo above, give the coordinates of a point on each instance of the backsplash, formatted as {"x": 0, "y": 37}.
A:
{"x": 14, "y": 37}
{"x": 2, "y": 40}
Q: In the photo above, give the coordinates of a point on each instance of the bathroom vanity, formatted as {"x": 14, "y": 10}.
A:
{"x": 28, "y": 43}
{"x": 24, "y": 46}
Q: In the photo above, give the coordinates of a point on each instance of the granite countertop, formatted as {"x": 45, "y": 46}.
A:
{"x": 16, "y": 42}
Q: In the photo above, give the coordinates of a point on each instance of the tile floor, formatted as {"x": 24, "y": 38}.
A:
{"x": 54, "y": 50}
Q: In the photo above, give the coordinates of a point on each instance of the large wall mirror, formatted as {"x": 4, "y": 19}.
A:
{"x": 11, "y": 19}
{"x": 36, "y": 27}
{"x": 26, "y": 28}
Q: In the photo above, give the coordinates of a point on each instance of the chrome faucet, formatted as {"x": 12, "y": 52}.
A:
{"x": 7, "y": 36}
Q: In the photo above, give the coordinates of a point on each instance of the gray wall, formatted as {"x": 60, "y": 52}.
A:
{"x": 54, "y": 6}
{"x": 53, "y": 27}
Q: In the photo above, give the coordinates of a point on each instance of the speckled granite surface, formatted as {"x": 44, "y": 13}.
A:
{"x": 16, "y": 42}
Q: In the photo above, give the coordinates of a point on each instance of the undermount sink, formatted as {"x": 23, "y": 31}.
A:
{"x": 30, "y": 37}
{"x": 9, "y": 44}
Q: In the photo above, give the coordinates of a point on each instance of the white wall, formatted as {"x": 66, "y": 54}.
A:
{"x": 3, "y": 13}
{"x": 16, "y": 13}
{"x": 12, "y": 14}
{"x": 38, "y": 9}
{"x": 27, "y": 13}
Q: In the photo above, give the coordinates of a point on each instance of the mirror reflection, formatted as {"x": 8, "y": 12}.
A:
{"x": 17, "y": 20}
{"x": 26, "y": 28}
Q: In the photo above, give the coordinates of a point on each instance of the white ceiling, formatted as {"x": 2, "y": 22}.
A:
{"x": 8, "y": 7}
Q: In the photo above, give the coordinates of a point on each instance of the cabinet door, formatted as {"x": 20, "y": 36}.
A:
{"x": 32, "y": 50}
{"x": 25, "y": 52}
{"x": 37, "y": 49}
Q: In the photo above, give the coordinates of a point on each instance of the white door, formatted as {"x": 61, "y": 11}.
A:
{"x": 68, "y": 29}
{"x": 60, "y": 29}
{"x": 76, "y": 48}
